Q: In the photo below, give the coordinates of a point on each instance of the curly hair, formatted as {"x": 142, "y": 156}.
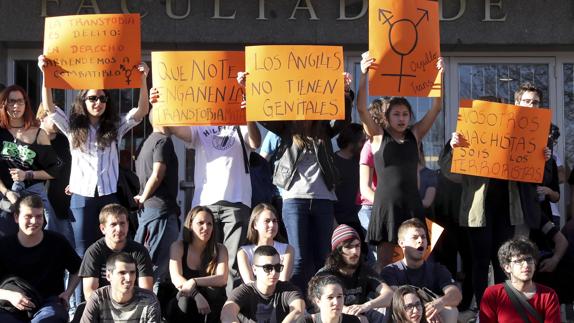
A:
{"x": 80, "y": 123}
{"x": 516, "y": 248}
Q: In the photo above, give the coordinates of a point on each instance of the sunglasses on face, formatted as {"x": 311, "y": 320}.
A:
{"x": 270, "y": 267}
{"x": 94, "y": 98}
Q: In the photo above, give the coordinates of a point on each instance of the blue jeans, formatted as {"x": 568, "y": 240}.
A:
{"x": 309, "y": 224}
{"x": 157, "y": 230}
{"x": 51, "y": 311}
{"x": 365, "y": 217}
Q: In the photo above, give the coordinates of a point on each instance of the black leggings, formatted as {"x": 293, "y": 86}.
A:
{"x": 484, "y": 244}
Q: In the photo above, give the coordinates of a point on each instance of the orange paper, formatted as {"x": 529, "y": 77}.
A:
{"x": 505, "y": 141}
{"x": 295, "y": 83}
{"x": 404, "y": 39}
{"x": 93, "y": 51}
{"x": 435, "y": 233}
{"x": 198, "y": 88}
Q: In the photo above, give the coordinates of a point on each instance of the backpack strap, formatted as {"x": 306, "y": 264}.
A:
{"x": 243, "y": 149}
{"x": 520, "y": 303}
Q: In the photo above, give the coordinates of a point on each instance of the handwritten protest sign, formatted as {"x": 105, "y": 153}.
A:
{"x": 93, "y": 51}
{"x": 404, "y": 39}
{"x": 435, "y": 233}
{"x": 505, "y": 141}
{"x": 198, "y": 88}
{"x": 295, "y": 83}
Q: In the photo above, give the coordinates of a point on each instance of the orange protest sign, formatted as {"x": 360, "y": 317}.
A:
{"x": 435, "y": 233}
{"x": 404, "y": 39}
{"x": 198, "y": 88}
{"x": 505, "y": 141}
{"x": 93, "y": 51}
{"x": 294, "y": 83}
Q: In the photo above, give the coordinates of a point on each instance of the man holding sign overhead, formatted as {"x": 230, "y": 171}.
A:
{"x": 493, "y": 203}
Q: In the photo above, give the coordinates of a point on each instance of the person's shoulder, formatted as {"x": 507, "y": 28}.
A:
{"x": 145, "y": 296}
{"x": 285, "y": 286}
{"x": 98, "y": 247}
{"x": 543, "y": 289}
{"x": 327, "y": 270}
{"x": 134, "y": 246}
{"x": 55, "y": 237}
{"x": 395, "y": 266}
{"x": 493, "y": 291}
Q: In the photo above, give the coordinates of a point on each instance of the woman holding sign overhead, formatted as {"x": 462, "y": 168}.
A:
{"x": 94, "y": 130}
{"x": 306, "y": 172}
{"x": 396, "y": 153}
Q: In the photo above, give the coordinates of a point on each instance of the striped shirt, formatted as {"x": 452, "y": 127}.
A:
{"x": 94, "y": 168}
{"x": 142, "y": 308}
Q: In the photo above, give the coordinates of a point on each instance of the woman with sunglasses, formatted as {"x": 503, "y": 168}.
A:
{"x": 326, "y": 293}
{"x": 26, "y": 159}
{"x": 94, "y": 130}
{"x": 407, "y": 306}
{"x": 198, "y": 269}
{"x": 262, "y": 231}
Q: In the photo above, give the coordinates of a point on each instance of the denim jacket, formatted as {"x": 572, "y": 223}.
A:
{"x": 288, "y": 154}
{"x": 523, "y": 201}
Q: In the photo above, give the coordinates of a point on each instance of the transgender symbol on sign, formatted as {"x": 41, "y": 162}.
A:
{"x": 127, "y": 70}
{"x": 405, "y": 26}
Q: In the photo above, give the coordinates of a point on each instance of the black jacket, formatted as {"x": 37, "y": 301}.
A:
{"x": 288, "y": 154}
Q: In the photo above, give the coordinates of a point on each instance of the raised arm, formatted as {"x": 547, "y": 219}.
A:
{"x": 47, "y": 100}
{"x": 370, "y": 126}
{"x": 366, "y": 182}
{"x": 181, "y": 132}
{"x": 421, "y": 128}
{"x": 253, "y": 135}
{"x": 339, "y": 125}
{"x": 143, "y": 102}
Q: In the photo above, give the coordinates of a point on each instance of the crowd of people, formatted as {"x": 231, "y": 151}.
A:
{"x": 321, "y": 246}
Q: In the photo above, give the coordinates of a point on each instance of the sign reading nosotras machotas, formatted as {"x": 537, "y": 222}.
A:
{"x": 505, "y": 141}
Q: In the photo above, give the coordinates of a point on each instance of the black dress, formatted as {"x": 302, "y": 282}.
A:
{"x": 397, "y": 197}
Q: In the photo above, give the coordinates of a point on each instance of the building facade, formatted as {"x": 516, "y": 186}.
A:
{"x": 489, "y": 46}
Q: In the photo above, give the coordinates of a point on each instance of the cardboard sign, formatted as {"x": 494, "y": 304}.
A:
{"x": 295, "y": 83}
{"x": 435, "y": 233}
{"x": 93, "y": 51}
{"x": 404, "y": 39}
{"x": 198, "y": 88}
{"x": 505, "y": 141}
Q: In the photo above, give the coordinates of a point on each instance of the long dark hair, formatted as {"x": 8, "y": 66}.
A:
{"x": 210, "y": 253}
{"x": 398, "y": 304}
{"x": 80, "y": 123}
{"x": 29, "y": 120}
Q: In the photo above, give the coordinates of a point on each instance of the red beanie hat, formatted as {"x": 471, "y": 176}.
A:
{"x": 341, "y": 234}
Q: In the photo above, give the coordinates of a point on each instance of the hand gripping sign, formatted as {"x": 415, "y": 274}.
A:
{"x": 93, "y": 51}
{"x": 505, "y": 141}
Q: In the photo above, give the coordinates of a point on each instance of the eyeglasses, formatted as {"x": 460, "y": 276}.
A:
{"x": 94, "y": 98}
{"x": 16, "y": 102}
{"x": 269, "y": 267}
{"x": 521, "y": 261}
{"x": 410, "y": 307}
